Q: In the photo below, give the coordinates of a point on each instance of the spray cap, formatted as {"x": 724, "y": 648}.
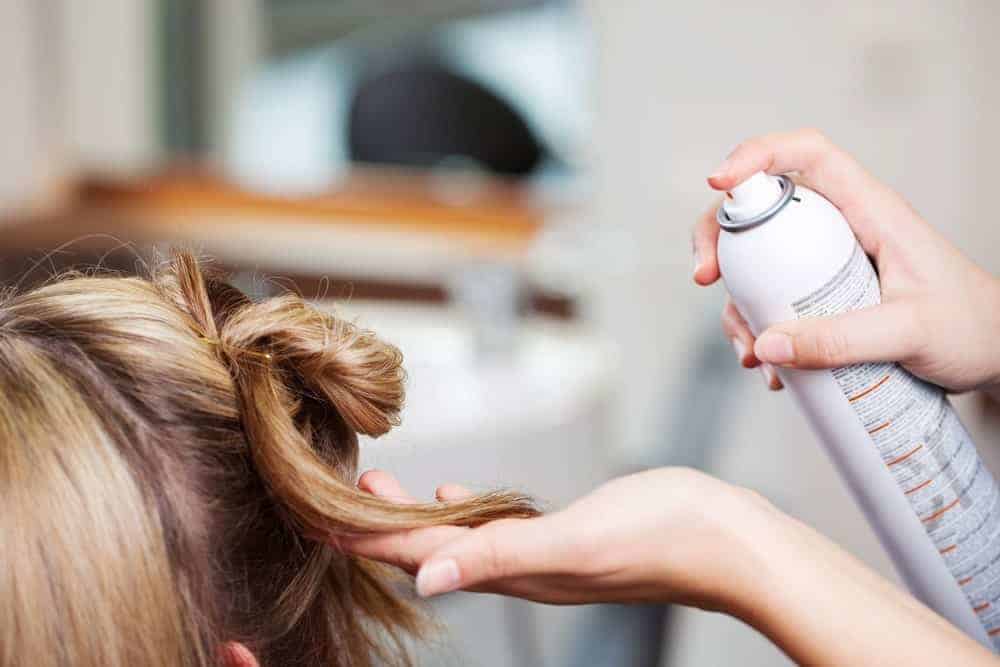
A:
{"x": 752, "y": 197}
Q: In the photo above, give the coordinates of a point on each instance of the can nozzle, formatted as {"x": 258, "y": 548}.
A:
{"x": 752, "y": 197}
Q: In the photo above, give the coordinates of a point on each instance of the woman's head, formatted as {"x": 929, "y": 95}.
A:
{"x": 172, "y": 458}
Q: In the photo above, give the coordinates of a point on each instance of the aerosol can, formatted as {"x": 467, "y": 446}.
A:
{"x": 785, "y": 252}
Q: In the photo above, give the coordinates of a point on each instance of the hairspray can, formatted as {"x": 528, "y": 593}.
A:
{"x": 785, "y": 252}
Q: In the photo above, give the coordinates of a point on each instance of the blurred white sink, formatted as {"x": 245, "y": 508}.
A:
{"x": 535, "y": 418}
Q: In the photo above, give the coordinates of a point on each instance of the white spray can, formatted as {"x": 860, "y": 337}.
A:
{"x": 785, "y": 252}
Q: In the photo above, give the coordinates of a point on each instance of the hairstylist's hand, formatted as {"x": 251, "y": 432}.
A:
{"x": 678, "y": 535}
{"x": 940, "y": 313}
{"x": 668, "y": 535}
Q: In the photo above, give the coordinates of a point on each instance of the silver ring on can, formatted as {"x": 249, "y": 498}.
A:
{"x": 787, "y": 192}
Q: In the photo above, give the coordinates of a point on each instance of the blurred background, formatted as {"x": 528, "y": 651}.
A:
{"x": 503, "y": 188}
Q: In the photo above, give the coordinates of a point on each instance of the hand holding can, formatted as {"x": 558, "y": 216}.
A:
{"x": 939, "y": 313}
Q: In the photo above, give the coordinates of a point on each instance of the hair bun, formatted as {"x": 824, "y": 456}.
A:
{"x": 345, "y": 366}
{"x": 361, "y": 376}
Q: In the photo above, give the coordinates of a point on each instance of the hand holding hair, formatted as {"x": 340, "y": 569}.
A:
{"x": 677, "y": 535}
{"x": 940, "y": 313}
{"x": 549, "y": 559}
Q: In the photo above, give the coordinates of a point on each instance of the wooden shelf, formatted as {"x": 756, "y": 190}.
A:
{"x": 378, "y": 234}
{"x": 495, "y": 211}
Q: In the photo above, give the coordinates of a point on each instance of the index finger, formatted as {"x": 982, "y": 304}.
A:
{"x": 821, "y": 165}
{"x": 406, "y": 549}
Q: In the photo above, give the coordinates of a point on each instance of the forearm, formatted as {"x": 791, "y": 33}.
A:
{"x": 824, "y": 607}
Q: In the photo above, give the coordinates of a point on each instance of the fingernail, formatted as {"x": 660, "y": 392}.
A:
{"x": 720, "y": 171}
{"x": 697, "y": 262}
{"x": 775, "y": 347}
{"x": 437, "y": 577}
{"x": 770, "y": 377}
{"x": 741, "y": 350}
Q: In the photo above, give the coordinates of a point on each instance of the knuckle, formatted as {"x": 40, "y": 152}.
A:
{"x": 404, "y": 552}
{"x": 731, "y": 312}
{"x": 752, "y": 148}
{"x": 687, "y": 481}
{"x": 830, "y": 347}
{"x": 494, "y": 562}
{"x": 697, "y": 234}
{"x": 687, "y": 475}
{"x": 735, "y": 331}
{"x": 913, "y": 329}
{"x": 815, "y": 136}
{"x": 752, "y": 498}
{"x": 728, "y": 323}
{"x": 707, "y": 219}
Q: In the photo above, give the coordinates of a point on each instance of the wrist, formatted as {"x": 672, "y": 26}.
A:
{"x": 752, "y": 557}
{"x": 792, "y": 594}
{"x": 770, "y": 546}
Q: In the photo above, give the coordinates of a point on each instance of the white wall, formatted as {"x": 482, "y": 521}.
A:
{"x": 24, "y": 120}
{"x": 109, "y": 60}
{"x": 234, "y": 46}
{"x": 79, "y": 89}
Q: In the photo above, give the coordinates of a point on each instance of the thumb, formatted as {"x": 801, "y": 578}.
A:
{"x": 500, "y": 549}
{"x": 880, "y": 333}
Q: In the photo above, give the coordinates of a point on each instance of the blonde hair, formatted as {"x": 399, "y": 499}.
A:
{"x": 174, "y": 462}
